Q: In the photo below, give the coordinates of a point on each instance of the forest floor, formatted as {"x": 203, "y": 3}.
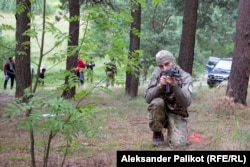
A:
{"x": 219, "y": 124}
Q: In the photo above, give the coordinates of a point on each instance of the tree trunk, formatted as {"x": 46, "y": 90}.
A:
{"x": 240, "y": 70}
{"x": 132, "y": 75}
{"x": 74, "y": 10}
{"x": 22, "y": 59}
{"x": 186, "y": 55}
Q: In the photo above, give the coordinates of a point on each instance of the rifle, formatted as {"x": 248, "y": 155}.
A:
{"x": 172, "y": 72}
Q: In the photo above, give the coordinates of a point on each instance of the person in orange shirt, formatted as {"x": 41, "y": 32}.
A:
{"x": 80, "y": 65}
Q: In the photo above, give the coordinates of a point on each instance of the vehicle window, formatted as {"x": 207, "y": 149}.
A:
{"x": 226, "y": 65}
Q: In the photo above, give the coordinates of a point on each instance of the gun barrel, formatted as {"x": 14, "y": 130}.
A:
{"x": 171, "y": 72}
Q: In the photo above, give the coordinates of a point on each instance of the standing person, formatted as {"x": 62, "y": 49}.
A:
{"x": 111, "y": 71}
{"x": 42, "y": 75}
{"x": 168, "y": 95}
{"x": 80, "y": 65}
{"x": 90, "y": 67}
{"x": 9, "y": 72}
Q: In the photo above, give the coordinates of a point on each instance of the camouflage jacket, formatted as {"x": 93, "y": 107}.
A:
{"x": 180, "y": 97}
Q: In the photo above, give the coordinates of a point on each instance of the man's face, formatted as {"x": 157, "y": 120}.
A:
{"x": 166, "y": 66}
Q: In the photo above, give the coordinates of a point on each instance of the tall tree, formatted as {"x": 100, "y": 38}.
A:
{"x": 240, "y": 70}
{"x": 186, "y": 54}
{"x": 132, "y": 73}
{"x": 22, "y": 59}
{"x": 23, "y": 71}
{"x": 74, "y": 14}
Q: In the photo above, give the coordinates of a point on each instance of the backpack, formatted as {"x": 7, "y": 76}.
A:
{"x": 8, "y": 68}
{"x": 4, "y": 67}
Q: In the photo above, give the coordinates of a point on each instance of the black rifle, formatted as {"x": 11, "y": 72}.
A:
{"x": 172, "y": 73}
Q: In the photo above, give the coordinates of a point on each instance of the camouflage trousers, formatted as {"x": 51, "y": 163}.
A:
{"x": 176, "y": 124}
{"x": 110, "y": 80}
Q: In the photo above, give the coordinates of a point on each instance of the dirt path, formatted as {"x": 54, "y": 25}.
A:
{"x": 4, "y": 98}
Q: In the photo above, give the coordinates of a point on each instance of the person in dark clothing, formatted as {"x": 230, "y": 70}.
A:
{"x": 9, "y": 72}
{"x": 90, "y": 67}
{"x": 42, "y": 75}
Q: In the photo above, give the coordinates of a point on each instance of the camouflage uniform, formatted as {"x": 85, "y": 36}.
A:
{"x": 111, "y": 71}
{"x": 169, "y": 110}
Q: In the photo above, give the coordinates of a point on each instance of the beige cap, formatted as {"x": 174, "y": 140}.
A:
{"x": 164, "y": 56}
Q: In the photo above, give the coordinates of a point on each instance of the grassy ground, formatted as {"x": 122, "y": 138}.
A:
{"x": 122, "y": 125}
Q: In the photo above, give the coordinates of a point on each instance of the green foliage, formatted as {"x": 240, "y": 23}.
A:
{"x": 20, "y": 8}
{"x": 48, "y": 114}
{"x": 73, "y": 19}
{"x": 214, "y": 34}
{"x": 105, "y": 26}
{"x": 156, "y": 1}
{"x": 160, "y": 30}
{"x": 6, "y": 27}
{"x": 215, "y": 31}
{"x": 7, "y": 47}
{"x": 37, "y": 6}
{"x": 109, "y": 28}
{"x": 217, "y": 35}
{"x": 136, "y": 32}
{"x": 105, "y": 34}
{"x": 7, "y": 5}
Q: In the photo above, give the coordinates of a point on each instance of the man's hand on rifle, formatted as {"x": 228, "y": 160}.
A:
{"x": 164, "y": 80}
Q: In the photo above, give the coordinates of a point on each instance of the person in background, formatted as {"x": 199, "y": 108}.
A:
{"x": 9, "y": 72}
{"x": 42, "y": 75}
{"x": 111, "y": 71}
{"x": 168, "y": 95}
{"x": 80, "y": 65}
{"x": 90, "y": 67}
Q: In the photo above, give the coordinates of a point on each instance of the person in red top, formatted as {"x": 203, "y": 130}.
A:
{"x": 80, "y": 65}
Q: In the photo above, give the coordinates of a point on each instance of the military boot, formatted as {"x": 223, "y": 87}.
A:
{"x": 158, "y": 139}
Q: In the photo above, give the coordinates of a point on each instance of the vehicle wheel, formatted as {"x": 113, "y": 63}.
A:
{"x": 210, "y": 86}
